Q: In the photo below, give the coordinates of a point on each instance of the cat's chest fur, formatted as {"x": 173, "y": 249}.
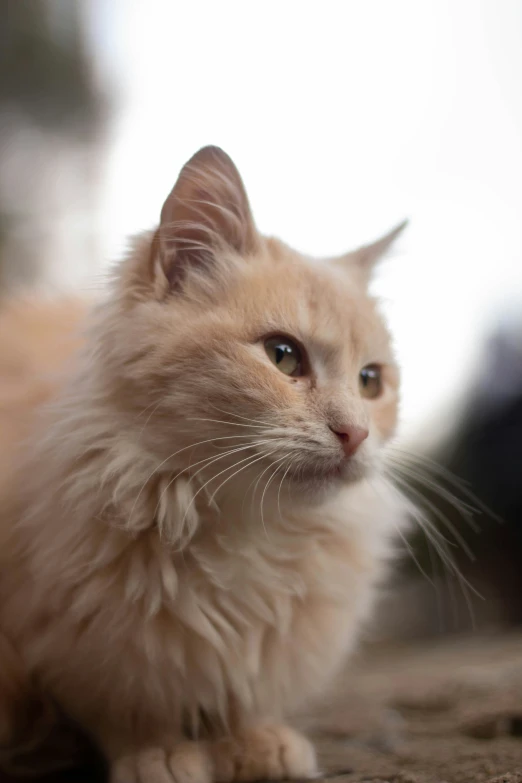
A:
{"x": 259, "y": 618}
{"x": 264, "y": 615}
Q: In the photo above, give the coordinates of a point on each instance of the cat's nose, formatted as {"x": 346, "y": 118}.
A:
{"x": 350, "y": 438}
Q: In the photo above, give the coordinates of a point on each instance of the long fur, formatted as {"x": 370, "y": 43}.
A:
{"x": 175, "y": 555}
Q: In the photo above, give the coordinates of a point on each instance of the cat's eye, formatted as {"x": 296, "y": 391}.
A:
{"x": 370, "y": 381}
{"x": 285, "y": 354}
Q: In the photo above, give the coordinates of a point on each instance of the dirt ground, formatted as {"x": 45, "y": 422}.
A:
{"x": 445, "y": 713}
{"x": 449, "y": 712}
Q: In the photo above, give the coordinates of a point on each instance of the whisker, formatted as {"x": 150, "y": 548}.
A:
{"x": 140, "y": 414}
{"x": 437, "y": 540}
{"x": 256, "y": 486}
{"x": 433, "y": 466}
{"x": 440, "y": 516}
{"x": 210, "y": 500}
{"x": 227, "y": 423}
{"x": 426, "y": 480}
{"x": 153, "y": 411}
{"x": 403, "y": 538}
{"x": 205, "y": 463}
{"x": 220, "y": 474}
{"x": 435, "y": 563}
{"x": 266, "y": 487}
{"x": 167, "y": 459}
{"x": 279, "y": 490}
{"x": 236, "y": 416}
{"x": 406, "y": 469}
{"x": 272, "y": 440}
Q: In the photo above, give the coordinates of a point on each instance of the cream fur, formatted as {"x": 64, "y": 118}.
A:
{"x": 151, "y": 584}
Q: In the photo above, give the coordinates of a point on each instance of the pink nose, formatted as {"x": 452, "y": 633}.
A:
{"x": 350, "y": 438}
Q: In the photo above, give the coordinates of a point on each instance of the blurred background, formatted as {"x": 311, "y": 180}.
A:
{"x": 343, "y": 119}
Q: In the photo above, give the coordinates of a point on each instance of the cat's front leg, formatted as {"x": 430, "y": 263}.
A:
{"x": 183, "y": 762}
{"x": 266, "y": 751}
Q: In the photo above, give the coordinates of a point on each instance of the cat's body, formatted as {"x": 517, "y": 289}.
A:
{"x": 185, "y": 548}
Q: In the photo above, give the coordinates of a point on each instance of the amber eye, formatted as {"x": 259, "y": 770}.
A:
{"x": 370, "y": 381}
{"x": 285, "y": 354}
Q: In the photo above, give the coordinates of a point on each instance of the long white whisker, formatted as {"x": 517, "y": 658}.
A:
{"x": 435, "y": 562}
{"x": 192, "y": 500}
{"x": 433, "y": 466}
{"x": 279, "y": 490}
{"x": 210, "y": 500}
{"x": 151, "y": 414}
{"x": 439, "y": 515}
{"x": 257, "y": 484}
{"x": 413, "y": 472}
{"x": 437, "y": 540}
{"x": 403, "y": 538}
{"x": 266, "y": 487}
{"x": 205, "y": 463}
{"x": 229, "y": 423}
{"x": 259, "y": 434}
{"x": 167, "y": 459}
{"x": 243, "y": 418}
{"x": 140, "y": 414}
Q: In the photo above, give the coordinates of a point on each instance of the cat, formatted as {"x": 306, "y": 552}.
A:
{"x": 194, "y": 517}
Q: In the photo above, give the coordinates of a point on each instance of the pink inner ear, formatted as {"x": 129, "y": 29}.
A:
{"x": 206, "y": 210}
{"x": 187, "y": 251}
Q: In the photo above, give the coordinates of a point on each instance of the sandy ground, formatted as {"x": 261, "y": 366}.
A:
{"x": 445, "y": 713}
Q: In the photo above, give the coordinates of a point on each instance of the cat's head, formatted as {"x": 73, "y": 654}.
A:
{"x": 243, "y": 361}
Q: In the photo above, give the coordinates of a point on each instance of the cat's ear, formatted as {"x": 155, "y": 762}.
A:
{"x": 364, "y": 259}
{"x": 206, "y": 213}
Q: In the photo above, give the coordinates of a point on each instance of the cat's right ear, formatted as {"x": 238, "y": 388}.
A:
{"x": 206, "y": 215}
{"x": 363, "y": 261}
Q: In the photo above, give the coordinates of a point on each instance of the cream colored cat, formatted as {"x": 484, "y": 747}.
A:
{"x": 192, "y": 531}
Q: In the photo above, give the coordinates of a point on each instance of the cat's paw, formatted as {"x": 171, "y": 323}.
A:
{"x": 268, "y": 752}
{"x": 187, "y": 762}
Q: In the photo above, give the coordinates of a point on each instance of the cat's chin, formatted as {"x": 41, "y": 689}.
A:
{"x": 327, "y": 477}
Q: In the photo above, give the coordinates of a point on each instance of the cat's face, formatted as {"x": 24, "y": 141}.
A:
{"x": 255, "y": 364}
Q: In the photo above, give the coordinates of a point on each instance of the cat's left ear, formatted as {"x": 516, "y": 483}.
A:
{"x": 365, "y": 258}
{"x": 206, "y": 215}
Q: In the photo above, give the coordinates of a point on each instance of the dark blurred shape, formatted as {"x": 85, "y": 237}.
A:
{"x": 486, "y": 451}
{"x": 44, "y": 73}
{"x": 50, "y": 112}
{"x": 479, "y": 466}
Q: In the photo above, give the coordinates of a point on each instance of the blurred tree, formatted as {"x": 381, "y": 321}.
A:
{"x": 46, "y": 92}
{"x": 44, "y": 73}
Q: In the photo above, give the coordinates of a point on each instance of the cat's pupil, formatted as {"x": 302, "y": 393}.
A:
{"x": 280, "y": 352}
